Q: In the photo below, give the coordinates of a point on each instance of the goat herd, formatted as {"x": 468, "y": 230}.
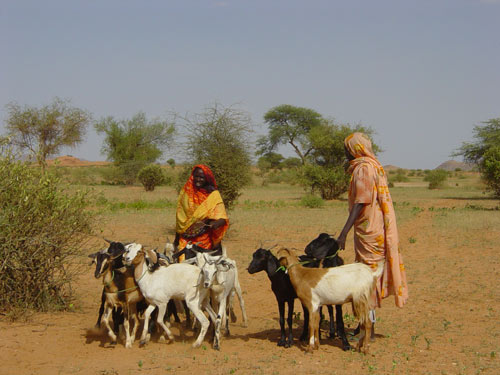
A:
{"x": 137, "y": 279}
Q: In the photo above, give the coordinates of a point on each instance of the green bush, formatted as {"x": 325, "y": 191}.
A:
{"x": 312, "y": 201}
{"x": 491, "y": 169}
{"x": 399, "y": 176}
{"x": 151, "y": 176}
{"x": 330, "y": 183}
{"x": 436, "y": 178}
{"x": 42, "y": 229}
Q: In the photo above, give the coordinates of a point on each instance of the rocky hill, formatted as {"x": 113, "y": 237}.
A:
{"x": 452, "y": 165}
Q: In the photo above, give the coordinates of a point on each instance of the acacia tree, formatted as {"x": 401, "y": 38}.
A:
{"x": 289, "y": 125}
{"x": 218, "y": 137}
{"x": 44, "y": 131}
{"x": 133, "y": 143}
{"x": 326, "y": 170}
{"x": 485, "y": 152}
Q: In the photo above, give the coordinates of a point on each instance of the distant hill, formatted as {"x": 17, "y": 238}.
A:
{"x": 71, "y": 161}
{"x": 389, "y": 168}
{"x": 452, "y": 165}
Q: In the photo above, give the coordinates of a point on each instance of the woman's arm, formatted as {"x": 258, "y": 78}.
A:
{"x": 214, "y": 224}
{"x": 353, "y": 215}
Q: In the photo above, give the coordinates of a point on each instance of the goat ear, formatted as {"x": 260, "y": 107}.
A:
{"x": 93, "y": 255}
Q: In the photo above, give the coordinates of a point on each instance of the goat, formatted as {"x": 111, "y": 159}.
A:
{"x": 264, "y": 260}
{"x": 353, "y": 283}
{"x": 220, "y": 275}
{"x": 120, "y": 290}
{"x": 190, "y": 252}
{"x": 178, "y": 281}
{"x": 323, "y": 251}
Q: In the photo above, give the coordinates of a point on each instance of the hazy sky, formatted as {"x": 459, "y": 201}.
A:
{"x": 421, "y": 73}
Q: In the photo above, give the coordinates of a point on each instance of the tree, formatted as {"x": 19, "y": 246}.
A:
{"x": 270, "y": 160}
{"x": 326, "y": 170}
{"x": 289, "y": 125}
{"x": 44, "y": 131}
{"x": 491, "y": 169}
{"x": 132, "y": 144}
{"x": 484, "y": 152}
{"x": 218, "y": 137}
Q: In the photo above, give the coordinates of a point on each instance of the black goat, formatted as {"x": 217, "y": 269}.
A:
{"x": 264, "y": 260}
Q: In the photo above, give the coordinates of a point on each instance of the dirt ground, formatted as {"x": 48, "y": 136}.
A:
{"x": 449, "y": 326}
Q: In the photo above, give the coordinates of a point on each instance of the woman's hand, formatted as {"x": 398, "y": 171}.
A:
{"x": 341, "y": 241}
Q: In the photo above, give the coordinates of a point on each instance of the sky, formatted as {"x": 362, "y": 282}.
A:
{"x": 420, "y": 73}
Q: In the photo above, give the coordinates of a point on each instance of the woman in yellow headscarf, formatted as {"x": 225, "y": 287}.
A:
{"x": 201, "y": 217}
{"x": 376, "y": 241}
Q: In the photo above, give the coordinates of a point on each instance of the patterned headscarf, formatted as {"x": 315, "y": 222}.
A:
{"x": 360, "y": 147}
{"x": 199, "y": 195}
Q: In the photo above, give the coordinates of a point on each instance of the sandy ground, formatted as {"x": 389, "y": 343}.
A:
{"x": 449, "y": 326}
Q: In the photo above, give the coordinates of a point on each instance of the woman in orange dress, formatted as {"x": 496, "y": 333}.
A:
{"x": 201, "y": 217}
{"x": 376, "y": 241}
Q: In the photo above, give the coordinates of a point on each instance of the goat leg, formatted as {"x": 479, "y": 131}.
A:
{"x": 281, "y": 309}
{"x": 305, "y": 330}
{"x": 331, "y": 325}
{"x": 289, "y": 341}
{"x": 340, "y": 328}
{"x": 147, "y": 314}
{"x": 105, "y": 317}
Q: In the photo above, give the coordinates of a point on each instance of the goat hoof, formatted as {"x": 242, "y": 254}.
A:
{"x": 113, "y": 343}
{"x": 281, "y": 343}
{"x": 142, "y": 343}
{"x": 346, "y": 348}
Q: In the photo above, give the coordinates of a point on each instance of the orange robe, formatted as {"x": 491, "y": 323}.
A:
{"x": 376, "y": 237}
{"x": 196, "y": 205}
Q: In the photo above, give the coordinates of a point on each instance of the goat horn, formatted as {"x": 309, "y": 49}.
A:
{"x": 108, "y": 241}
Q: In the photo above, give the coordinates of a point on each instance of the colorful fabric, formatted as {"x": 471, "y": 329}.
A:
{"x": 375, "y": 231}
{"x": 196, "y": 205}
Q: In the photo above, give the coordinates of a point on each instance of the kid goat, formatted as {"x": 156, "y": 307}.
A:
{"x": 353, "y": 283}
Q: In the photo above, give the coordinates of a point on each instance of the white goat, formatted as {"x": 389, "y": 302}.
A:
{"x": 177, "y": 281}
{"x": 220, "y": 275}
{"x": 332, "y": 286}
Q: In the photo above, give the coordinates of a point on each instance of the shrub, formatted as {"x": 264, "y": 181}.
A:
{"x": 491, "y": 170}
{"x": 42, "y": 229}
{"x": 436, "y": 178}
{"x": 151, "y": 176}
{"x": 329, "y": 182}
{"x": 312, "y": 201}
{"x": 399, "y": 176}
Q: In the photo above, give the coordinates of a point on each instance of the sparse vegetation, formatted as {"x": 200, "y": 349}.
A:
{"x": 42, "y": 229}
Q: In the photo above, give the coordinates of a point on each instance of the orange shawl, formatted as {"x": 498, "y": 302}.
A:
{"x": 196, "y": 205}
{"x": 375, "y": 231}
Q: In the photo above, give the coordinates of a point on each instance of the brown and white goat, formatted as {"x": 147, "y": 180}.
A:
{"x": 120, "y": 289}
{"x": 315, "y": 287}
